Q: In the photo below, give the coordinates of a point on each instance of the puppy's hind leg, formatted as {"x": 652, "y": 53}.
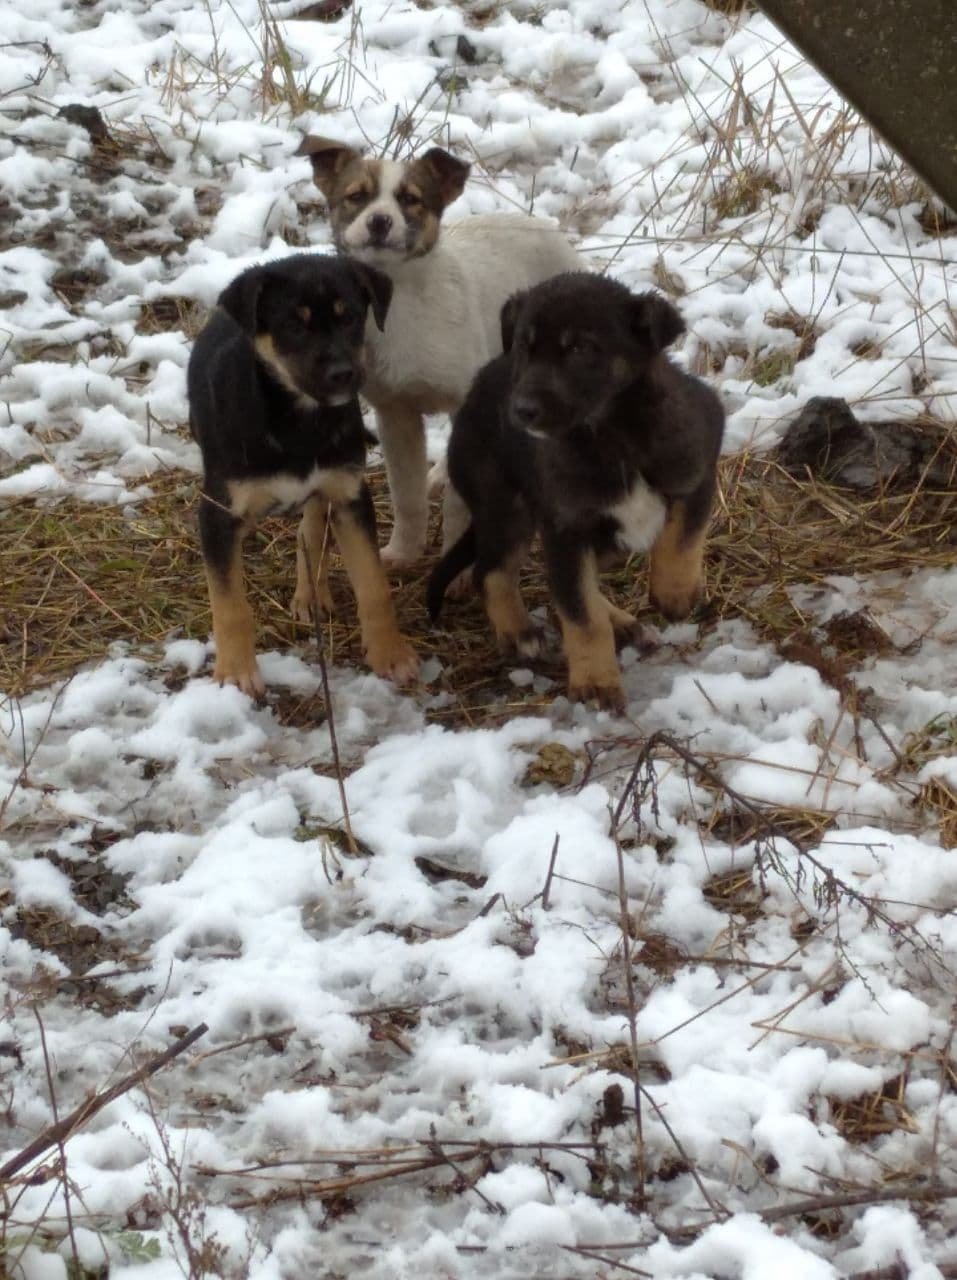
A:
{"x": 312, "y": 562}
{"x": 221, "y": 538}
{"x": 387, "y": 650}
{"x": 455, "y": 520}
{"x": 402, "y": 436}
{"x": 438, "y": 477}
{"x": 503, "y": 536}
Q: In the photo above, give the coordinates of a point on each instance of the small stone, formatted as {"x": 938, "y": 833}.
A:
{"x": 88, "y": 118}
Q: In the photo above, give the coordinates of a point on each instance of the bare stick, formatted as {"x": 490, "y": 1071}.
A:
{"x": 898, "y": 1271}
{"x": 64, "y": 1172}
{"x": 312, "y": 570}
{"x": 302, "y": 1189}
{"x": 551, "y": 871}
{"x": 908, "y": 1193}
{"x": 833, "y": 885}
{"x": 279, "y": 1034}
{"x": 492, "y": 1205}
{"x": 27, "y": 756}
{"x": 946, "y": 1080}
{"x": 609, "y": 1262}
{"x": 850, "y": 1199}
{"x": 60, "y": 1130}
{"x": 624, "y": 923}
{"x": 719, "y": 1211}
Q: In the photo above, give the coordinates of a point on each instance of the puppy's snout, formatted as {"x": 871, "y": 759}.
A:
{"x": 341, "y": 375}
{"x": 525, "y": 410}
{"x": 379, "y": 225}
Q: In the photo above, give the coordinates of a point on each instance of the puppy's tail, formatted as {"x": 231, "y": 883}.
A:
{"x": 458, "y": 558}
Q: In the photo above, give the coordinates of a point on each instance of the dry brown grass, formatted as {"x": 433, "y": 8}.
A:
{"x": 872, "y": 1115}
{"x": 80, "y": 578}
{"x": 773, "y": 531}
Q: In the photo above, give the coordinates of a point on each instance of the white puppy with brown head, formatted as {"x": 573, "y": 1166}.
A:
{"x": 448, "y": 291}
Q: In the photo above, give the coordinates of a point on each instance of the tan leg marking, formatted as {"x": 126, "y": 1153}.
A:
{"x": 590, "y": 647}
{"x": 677, "y": 565}
{"x": 514, "y": 629}
{"x": 387, "y": 650}
{"x": 312, "y": 553}
{"x": 234, "y": 628}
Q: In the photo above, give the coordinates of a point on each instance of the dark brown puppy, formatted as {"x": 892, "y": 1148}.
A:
{"x": 585, "y": 432}
{"x": 273, "y": 381}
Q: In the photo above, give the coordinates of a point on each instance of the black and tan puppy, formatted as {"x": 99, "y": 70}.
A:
{"x": 273, "y": 381}
{"x": 585, "y": 431}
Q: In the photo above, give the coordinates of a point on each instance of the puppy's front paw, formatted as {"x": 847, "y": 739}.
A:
{"x": 401, "y": 553}
{"x": 593, "y": 676}
{"x": 393, "y": 658}
{"x": 677, "y": 600}
{"x": 247, "y": 678}
{"x": 609, "y": 697}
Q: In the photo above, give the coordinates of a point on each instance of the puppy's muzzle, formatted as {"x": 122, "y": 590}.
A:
{"x": 378, "y": 225}
{"x": 339, "y": 379}
{"x": 526, "y": 412}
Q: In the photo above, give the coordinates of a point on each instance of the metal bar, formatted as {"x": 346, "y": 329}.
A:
{"x": 895, "y": 61}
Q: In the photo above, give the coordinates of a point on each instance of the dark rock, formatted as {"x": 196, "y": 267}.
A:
{"x": 829, "y": 442}
{"x": 466, "y": 51}
{"x": 87, "y": 118}
{"x": 825, "y": 438}
{"x": 459, "y": 50}
{"x": 324, "y": 11}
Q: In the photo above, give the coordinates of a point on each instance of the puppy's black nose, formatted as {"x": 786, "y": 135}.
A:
{"x": 339, "y": 376}
{"x": 379, "y": 225}
{"x": 524, "y": 411}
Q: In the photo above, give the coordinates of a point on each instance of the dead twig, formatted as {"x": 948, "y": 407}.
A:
{"x": 60, "y": 1130}
{"x": 908, "y": 1193}
{"x": 303, "y": 1189}
{"x": 546, "y": 890}
{"x": 327, "y": 693}
{"x": 582, "y": 1252}
{"x": 271, "y": 1038}
{"x": 625, "y": 927}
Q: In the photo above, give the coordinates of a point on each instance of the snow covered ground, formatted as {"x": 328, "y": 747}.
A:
{"x": 420, "y": 1061}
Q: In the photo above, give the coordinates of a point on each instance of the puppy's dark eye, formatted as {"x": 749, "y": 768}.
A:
{"x": 353, "y": 197}
{"x": 408, "y": 199}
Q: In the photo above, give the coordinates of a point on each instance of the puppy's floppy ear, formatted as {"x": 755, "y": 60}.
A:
{"x": 240, "y": 299}
{"x": 447, "y": 174}
{"x": 655, "y": 322}
{"x": 377, "y": 287}
{"x": 328, "y": 159}
{"x": 509, "y": 318}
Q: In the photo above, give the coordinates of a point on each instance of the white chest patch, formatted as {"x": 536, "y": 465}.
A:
{"x": 641, "y": 517}
{"x": 252, "y": 499}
